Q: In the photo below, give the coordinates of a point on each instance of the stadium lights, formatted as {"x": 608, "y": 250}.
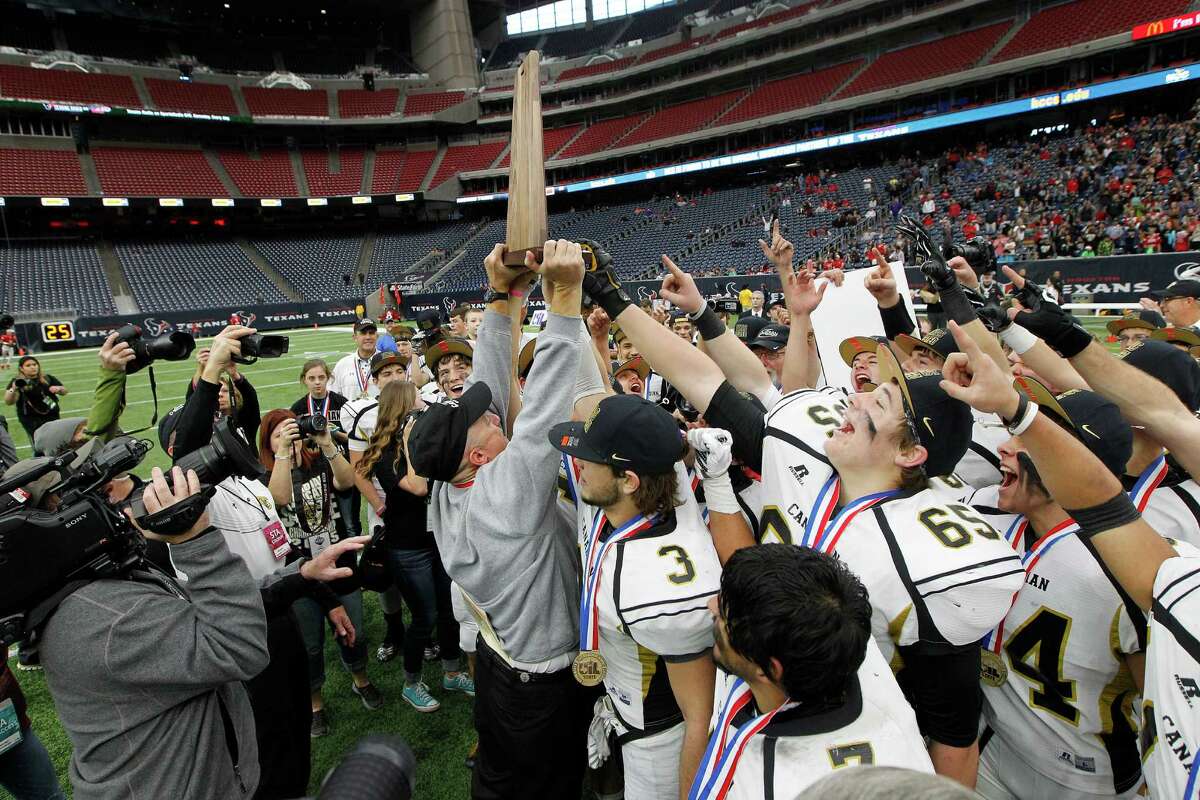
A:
{"x": 222, "y": 202}
{"x": 405, "y": 198}
{"x": 318, "y": 201}
{"x": 170, "y": 202}
{"x": 55, "y": 202}
{"x": 114, "y": 202}
{"x": 270, "y": 202}
{"x": 360, "y": 200}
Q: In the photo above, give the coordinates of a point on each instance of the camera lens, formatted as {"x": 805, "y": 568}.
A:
{"x": 311, "y": 425}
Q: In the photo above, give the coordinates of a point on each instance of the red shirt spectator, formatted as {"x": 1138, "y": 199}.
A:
{"x": 954, "y": 210}
{"x": 970, "y": 230}
{"x": 1072, "y": 186}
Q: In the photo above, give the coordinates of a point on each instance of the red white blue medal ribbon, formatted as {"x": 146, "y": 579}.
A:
{"x": 363, "y": 375}
{"x": 312, "y": 409}
{"x": 822, "y": 533}
{"x": 995, "y": 639}
{"x": 593, "y": 562}
{"x": 1148, "y": 481}
{"x": 715, "y": 775}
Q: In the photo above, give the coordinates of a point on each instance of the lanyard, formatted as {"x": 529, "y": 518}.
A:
{"x": 312, "y": 409}
{"x": 1147, "y": 482}
{"x": 256, "y": 504}
{"x": 362, "y": 372}
{"x": 995, "y": 639}
{"x": 823, "y": 534}
{"x": 594, "y": 553}
{"x": 715, "y": 774}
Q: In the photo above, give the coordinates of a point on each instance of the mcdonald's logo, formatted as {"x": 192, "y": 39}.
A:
{"x": 1156, "y": 28}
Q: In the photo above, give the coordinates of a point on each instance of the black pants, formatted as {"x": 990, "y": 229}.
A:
{"x": 282, "y": 713}
{"x": 532, "y": 732}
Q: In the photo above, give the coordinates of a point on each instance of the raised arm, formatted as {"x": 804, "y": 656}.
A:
{"x": 801, "y": 295}
{"x": 1075, "y": 478}
{"x": 492, "y": 362}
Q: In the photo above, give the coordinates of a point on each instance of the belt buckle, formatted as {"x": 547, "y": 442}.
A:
{"x": 524, "y": 676}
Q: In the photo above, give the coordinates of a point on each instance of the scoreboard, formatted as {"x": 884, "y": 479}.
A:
{"x": 58, "y": 335}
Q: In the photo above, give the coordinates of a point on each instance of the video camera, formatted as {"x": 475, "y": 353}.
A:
{"x": 978, "y": 252}
{"x": 47, "y": 553}
{"x": 173, "y": 346}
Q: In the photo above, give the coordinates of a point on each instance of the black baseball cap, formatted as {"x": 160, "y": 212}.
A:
{"x": 364, "y": 325}
{"x": 775, "y": 299}
{"x": 938, "y": 341}
{"x": 943, "y": 424}
{"x": 438, "y": 438}
{"x": 1093, "y": 420}
{"x": 1185, "y": 288}
{"x": 626, "y": 431}
{"x": 679, "y": 314}
{"x": 447, "y": 347}
{"x": 1166, "y": 362}
{"x": 382, "y": 359}
{"x": 772, "y": 337}
{"x": 725, "y": 305}
{"x": 747, "y": 328}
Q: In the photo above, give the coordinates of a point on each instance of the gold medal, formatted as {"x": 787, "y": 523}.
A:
{"x": 589, "y": 667}
{"x": 992, "y": 669}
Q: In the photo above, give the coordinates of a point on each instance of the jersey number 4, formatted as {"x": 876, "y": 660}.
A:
{"x": 1036, "y": 650}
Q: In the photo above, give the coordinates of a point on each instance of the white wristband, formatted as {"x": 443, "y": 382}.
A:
{"x": 1019, "y": 427}
{"x": 719, "y": 496}
{"x": 1018, "y": 339}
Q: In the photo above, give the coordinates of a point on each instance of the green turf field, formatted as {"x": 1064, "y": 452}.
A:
{"x": 440, "y": 740}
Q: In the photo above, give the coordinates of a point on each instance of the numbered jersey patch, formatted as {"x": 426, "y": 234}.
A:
{"x": 1066, "y": 709}
{"x": 653, "y": 603}
{"x": 797, "y": 749}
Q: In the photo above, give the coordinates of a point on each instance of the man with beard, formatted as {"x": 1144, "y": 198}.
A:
{"x": 1062, "y": 671}
{"x": 649, "y": 568}
{"x": 804, "y": 690}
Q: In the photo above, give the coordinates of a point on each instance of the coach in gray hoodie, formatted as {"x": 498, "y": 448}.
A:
{"x": 502, "y": 540}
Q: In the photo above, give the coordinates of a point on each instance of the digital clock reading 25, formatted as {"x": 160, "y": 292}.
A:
{"x": 57, "y": 332}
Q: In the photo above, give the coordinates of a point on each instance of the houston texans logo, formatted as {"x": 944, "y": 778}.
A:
{"x": 247, "y": 318}
{"x": 646, "y": 295}
{"x": 449, "y": 303}
{"x": 730, "y": 288}
{"x": 1188, "y": 270}
{"x": 157, "y": 327}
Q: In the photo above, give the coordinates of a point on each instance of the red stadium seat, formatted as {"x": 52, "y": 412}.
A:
{"x": 361, "y": 103}
{"x": 682, "y": 118}
{"x": 600, "y": 135}
{"x": 1064, "y": 25}
{"x": 552, "y": 141}
{"x": 786, "y": 94}
{"x": 594, "y": 69}
{"x": 431, "y": 103}
{"x": 198, "y": 98}
{"x": 322, "y": 182}
{"x": 267, "y": 175}
{"x": 27, "y": 83}
{"x": 400, "y": 170}
{"x": 929, "y": 60}
{"x": 41, "y": 172}
{"x": 670, "y": 50}
{"x": 467, "y": 158}
{"x": 145, "y": 172}
{"x": 286, "y": 102}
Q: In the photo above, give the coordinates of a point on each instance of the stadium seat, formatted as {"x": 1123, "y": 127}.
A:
{"x": 553, "y": 140}
{"x": 787, "y": 94}
{"x": 64, "y": 277}
{"x": 40, "y": 172}
{"x": 315, "y": 265}
{"x": 600, "y": 135}
{"x": 27, "y": 83}
{"x": 598, "y": 68}
{"x": 146, "y": 172}
{"x": 181, "y": 275}
{"x": 267, "y": 174}
{"x": 670, "y": 50}
{"x": 929, "y": 60}
{"x": 361, "y": 103}
{"x": 1081, "y": 21}
{"x": 323, "y": 182}
{"x": 286, "y": 102}
{"x": 400, "y": 170}
{"x": 416, "y": 105}
{"x": 682, "y": 118}
{"x": 198, "y": 98}
{"x": 467, "y": 158}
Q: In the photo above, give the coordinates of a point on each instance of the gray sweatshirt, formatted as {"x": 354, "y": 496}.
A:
{"x": 501, "y": 539}
{"x": 134, "y": 669}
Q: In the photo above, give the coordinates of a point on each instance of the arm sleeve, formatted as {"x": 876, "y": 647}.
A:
{"x": 107, "y": 404}
{"x": 217, "y": 636}
{"x": 530, "y": 461}
{"x": 942, "y": 684}
{"x": 896, "y": 321}
{"x": 195, "y": 427}
{"x": 492, "y": 362}
{"x": 730, "y": 410}
{"x": 249, "y": 414}
{"x": 282, "y": 588}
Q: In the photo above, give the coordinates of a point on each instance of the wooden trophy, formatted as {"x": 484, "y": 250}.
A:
{"x": 527, "y": 227}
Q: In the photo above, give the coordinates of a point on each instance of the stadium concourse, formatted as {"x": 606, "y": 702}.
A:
{"x": 866, "y": 439}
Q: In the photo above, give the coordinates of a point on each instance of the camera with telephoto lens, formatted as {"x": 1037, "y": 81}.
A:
{"x": 21, "y": 384}
{"x": 261, "y": 345}
{"x": 978, "y": 252}
{"x": 173, "y": 346}
{"x": 311, "y": 424}
{"x": 46, "y": 553}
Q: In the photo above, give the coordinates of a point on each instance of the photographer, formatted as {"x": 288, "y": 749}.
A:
{"x": 235, "y": 396}
{"x": 34, "y": 394}
{"x": 306, "y": 470}
{"x": 416, "y": 566}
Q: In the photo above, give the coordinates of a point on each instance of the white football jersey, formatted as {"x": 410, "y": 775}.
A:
{"x": 653, "y": 605}
{"x": 1066, "y": 708}
{"x": 980, "y": 466}
{"x": 1171, "y": 711}
{"x": 947, "y": 575}
{"x": 1169, "y": 502}
{"x": 359, "y": 418}
{"x": 876, "y": 726}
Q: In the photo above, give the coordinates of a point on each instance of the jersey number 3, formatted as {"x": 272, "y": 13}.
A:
{"x": 686, "y": 571}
